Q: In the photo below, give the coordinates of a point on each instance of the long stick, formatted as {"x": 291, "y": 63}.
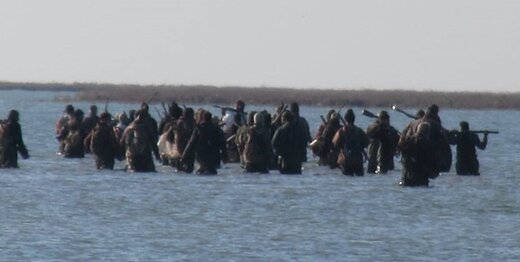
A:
{"x": 152, "y": 97}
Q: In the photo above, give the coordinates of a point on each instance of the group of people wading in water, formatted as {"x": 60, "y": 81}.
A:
{"x": 258, "y": 141}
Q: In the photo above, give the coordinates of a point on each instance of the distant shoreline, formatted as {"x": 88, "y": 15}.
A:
{"x": 274, "y": 96}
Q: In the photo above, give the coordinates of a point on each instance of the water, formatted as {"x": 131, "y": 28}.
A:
{"x": 63, "y": 209}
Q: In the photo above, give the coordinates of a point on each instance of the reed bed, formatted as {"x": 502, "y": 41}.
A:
{"x": 273, "y": 96}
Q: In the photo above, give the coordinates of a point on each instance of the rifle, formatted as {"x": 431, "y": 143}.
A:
{"x": 164, "y": 108}
{"x": 225, "y": 108}
{"x": 279, "y": 115}
{"x": 365, "y": 155}
{"x": 106, "y": 104}
{"x": 481, "y": 132}
{"x": 368, "y": 113}
{"x": 158, "y": 112}
{"x": 341, "y": 108}
{"x": 484, "y": 132}
{"x": 231, "y": 138}
{"x": 396, "y": 108}
{"x": 323, "y": 120}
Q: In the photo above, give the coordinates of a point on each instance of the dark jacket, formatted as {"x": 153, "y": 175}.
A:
{"x": 258, "y": 150}
{"x": 383, "y": 147}
{"x": 467, "y": 142}
{"x": 285, "y": 144}
{"x": 11, "y": 145}
{"x": 140, "y": 142}
{"x": 418, "y": 164}
{"x": 207, "y": 144}
{"x": 351, "y": 141}
{"x": 103, "y": 144}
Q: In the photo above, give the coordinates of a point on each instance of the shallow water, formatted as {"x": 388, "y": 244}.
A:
{"x": 63, "y": 209}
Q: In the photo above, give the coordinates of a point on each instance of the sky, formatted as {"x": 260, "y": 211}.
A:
{"x": 441, "y": 45}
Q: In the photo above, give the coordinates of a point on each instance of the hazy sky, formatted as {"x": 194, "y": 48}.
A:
{"x": 400, "y": 44}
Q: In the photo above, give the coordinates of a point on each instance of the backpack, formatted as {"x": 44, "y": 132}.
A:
{"x": 73, "y": 141}
{"x": 98, "y": 141}
{"x": 253, "y": 149}
{"x": 4, "y": 133}
{"x": 136, "y": 141}
{"x": 353, "y": 147}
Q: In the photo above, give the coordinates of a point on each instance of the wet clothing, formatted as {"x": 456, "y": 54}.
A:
{"x": 180, "y": 134}
{"x": 11, "y": 144}
{"x": 285, "y": 143}
{"x": 303, "y": 137}
{"x": 418, "y": 164}
{"x": 62, "y": 122}
{"x": 103, "y": 144}
{"x": 382, "y": 147}
{"x": 207, "y": 145}
{"x": 71, "y": 140}
{"x": 441, "y": 148}
{"x": 139, "y": 142}
{"x": 351, "y": 141}
{"x": 257, "y": 150}
{"x": 467, "y": 142}
{"x": 322, "y": 145}
{"x": 89, "y": 123}
{"x": 232, "y": 149}
{"x": 240, "y": 142}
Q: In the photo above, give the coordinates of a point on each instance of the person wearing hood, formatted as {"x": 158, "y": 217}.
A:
{"x": 467, "y": 142}
{"x": 139, "y": 143}
{"x": 11, "y": 141}
{"x": 383, "y": 145}
{"x": 258, "y": 149}
{"x": 284, "y": 143}
{"x": 351, "y": 141}
{"x": 417, "y": 149}
{"x": 103, "y": 144}
{"x": 207, "y": 145}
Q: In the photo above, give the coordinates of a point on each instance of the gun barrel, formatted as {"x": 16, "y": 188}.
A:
{"x": 323, "y": 120}
{"x": 396, "y": 108}
{"x": 484, "y": 131}
{"x": 368, "y": 113}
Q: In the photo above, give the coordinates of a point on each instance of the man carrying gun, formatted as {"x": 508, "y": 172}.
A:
{"x": 466, "y": 141}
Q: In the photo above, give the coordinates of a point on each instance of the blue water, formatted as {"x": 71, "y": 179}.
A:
{"x": 62, "y": 209}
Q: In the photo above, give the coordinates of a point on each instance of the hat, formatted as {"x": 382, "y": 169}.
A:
{"x": 383, "y": 115}
{"x": 69, "y": 109}
{"x": 349, "y": 116}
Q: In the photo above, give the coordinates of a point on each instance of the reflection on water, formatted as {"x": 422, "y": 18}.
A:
{"x": 64, "y": 209}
